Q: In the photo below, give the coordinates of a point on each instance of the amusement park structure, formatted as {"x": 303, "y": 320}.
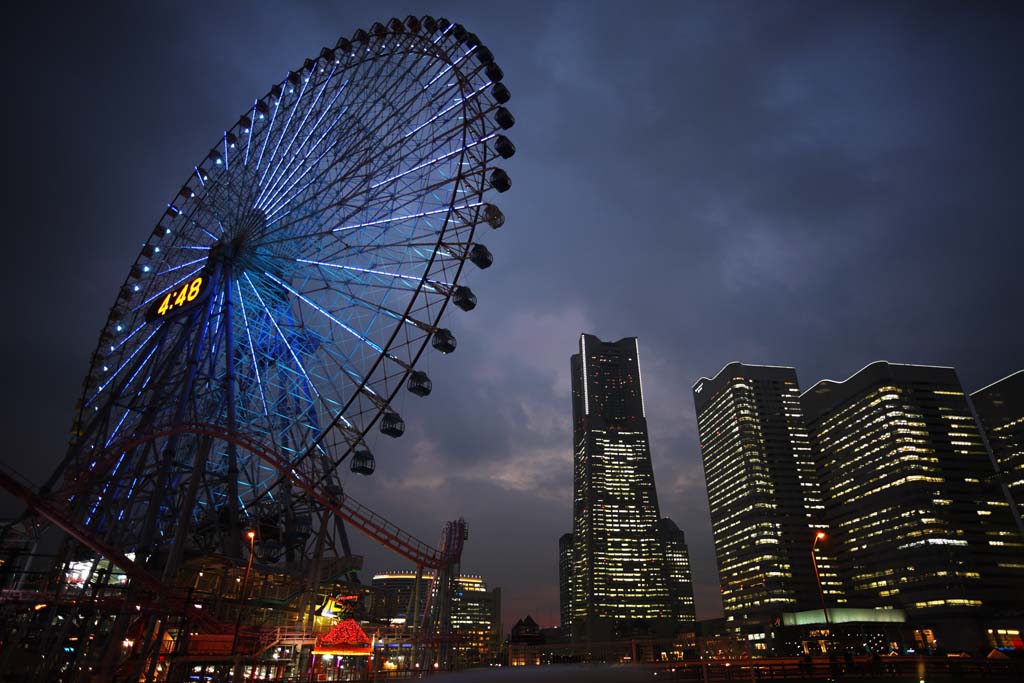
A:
{"x": 199, "y": 520}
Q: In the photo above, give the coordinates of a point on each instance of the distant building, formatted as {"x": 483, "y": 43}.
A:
{"x": 1000, "y": 407}
{"x": 911, "y": 502}
{"x": 677, "y": 571}
{"x": 475, "y": 611}
{"x": 397, "y": 600}
{"x": 526, "y": 631}
{"x": 763, "y": 493}
{"x": 619, "y": 586}
{"x": 565, "y": 581}
{"x": 476, "y": 620}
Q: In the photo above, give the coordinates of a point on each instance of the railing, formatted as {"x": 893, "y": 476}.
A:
{"x": 860, "y": 670}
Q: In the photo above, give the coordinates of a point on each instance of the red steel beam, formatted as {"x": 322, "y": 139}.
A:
{"x": 352, "y": 511}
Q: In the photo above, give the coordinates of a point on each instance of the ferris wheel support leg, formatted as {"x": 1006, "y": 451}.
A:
{"x": 154, "y": 657}
{"x": 185, "y": 514}
{"x": 415, "y": 609}
{"x": 233, "y": 545}
{"x": 69, "y": 621}
{"x": 309, "y": 597}
{"x": 145, "y": 650}
{"x": 87, "y": 618}
{"x": 339, "y": 526}
{"x": 314, "y": 576}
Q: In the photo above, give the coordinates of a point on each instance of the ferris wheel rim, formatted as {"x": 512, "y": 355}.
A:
{"x": 464, "y": 129}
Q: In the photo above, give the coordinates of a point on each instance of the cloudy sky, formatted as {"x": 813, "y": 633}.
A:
{"x": 813, "y": 184}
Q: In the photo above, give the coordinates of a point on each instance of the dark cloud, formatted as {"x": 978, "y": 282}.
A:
{"x": 791, "y": 183}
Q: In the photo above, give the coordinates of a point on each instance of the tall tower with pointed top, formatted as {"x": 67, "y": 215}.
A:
{"x": 619, "y": 585}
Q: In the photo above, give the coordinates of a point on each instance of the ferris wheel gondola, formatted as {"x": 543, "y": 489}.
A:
{"x": 288, "y": 292}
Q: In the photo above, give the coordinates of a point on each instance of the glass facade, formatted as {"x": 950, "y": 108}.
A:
{"x": 1000, "y": 407}
{"x": 565, "y": 566}
{"x": 677, "y": 571}
{"x": 919, "y": 521}
{"x": 619, "y": 584}
{"x": 766, "y": 505}
{"x": 475, "y": 611}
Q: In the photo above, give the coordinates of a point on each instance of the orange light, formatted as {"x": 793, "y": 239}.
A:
{"x": 821, "y": 535}
{"x": 250, "y": 534}
{"x": 40, "y": 606}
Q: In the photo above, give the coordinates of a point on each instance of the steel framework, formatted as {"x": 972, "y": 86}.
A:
{"x": 274, "y": 313}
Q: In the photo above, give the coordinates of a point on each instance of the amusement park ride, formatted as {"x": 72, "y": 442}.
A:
{"x": 278, "y": 307}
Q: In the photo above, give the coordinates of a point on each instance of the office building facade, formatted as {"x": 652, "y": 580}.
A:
{"x": 397, "y": 599}
{"x": 1000, "y": 407}
{"x": 619, "y": 584}
{"x": 476, "y": 620}
{"x": 765, "y": 502}
{"x": 677, "y": 571}
{"x": 918, "y": 520}
{"x": 565, "y": 581}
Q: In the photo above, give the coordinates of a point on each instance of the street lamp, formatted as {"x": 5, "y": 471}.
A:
{"x": 251, "y": 535}
{"x": 820, "y": 536}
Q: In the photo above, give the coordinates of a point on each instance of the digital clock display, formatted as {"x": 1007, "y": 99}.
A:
{"x": 178, "y": 299}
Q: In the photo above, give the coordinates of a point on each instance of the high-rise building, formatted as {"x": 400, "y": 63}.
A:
{"x": 677, "y": 571}
{"x": 475, "y": 611}
{"x": 565, "y": 581}
{"x": 476, "y": 619}
{"x": 763, "y": 494}
{"x": 398, "y": 599}
{"x": 618, "y": 580}
{"x": 1000, "y": 407}
{"x": 911, "y": 501}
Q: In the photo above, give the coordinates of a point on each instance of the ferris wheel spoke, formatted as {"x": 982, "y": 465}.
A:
{"x": 345, "y": 200}
{"x": 409, "y": 117}
{"x": 284, "y": 338}
{"x": 431, "y": 162}
{"x": 371, "y": 271}
{"x": 271, "y": 197}
{"x": 270, "y": 128}
{"x": 271, "y": 185}
{"x": 324, "y": 312}
{"x": 409, "y": 195}
{"x": 252, "y": 350}
{"x": 116, "y": 372}
{"x": 287, "y": 124}
{"x": 279, "y": 201}
{"x": 182, "y": 265}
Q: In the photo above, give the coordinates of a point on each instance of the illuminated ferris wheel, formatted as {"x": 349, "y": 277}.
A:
{"x": 285, "y": 296}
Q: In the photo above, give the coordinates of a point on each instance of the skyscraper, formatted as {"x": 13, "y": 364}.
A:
{"x": 619, "y": 584}
{"x": 399, "y": 598}
{"x": 763, "y": 494}
{"x": 475, "y": 611}
{"x": 565, "y": 581}
{"x": 1000, "y": 408}
{"x": 677, "y": 571}
{"x": 476, "y": 619}
{"x": 910, "y": 499}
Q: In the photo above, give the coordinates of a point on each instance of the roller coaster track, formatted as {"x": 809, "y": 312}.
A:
{"x": 352, "y": 511}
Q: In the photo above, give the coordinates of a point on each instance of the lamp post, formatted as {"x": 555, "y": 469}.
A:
{"x": 251, "y": 535}
{"x": 820, "y": 536}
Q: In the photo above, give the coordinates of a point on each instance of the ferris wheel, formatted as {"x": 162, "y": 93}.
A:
{"x": 286, "y": 295}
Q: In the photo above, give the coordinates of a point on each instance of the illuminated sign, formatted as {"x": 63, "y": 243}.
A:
{"x": 338, "y": 606}
{"x": 844, "y": 615}
{"x": 179, "y": 299}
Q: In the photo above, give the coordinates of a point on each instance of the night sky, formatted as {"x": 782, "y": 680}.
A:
{"x": 810, "y": 184}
